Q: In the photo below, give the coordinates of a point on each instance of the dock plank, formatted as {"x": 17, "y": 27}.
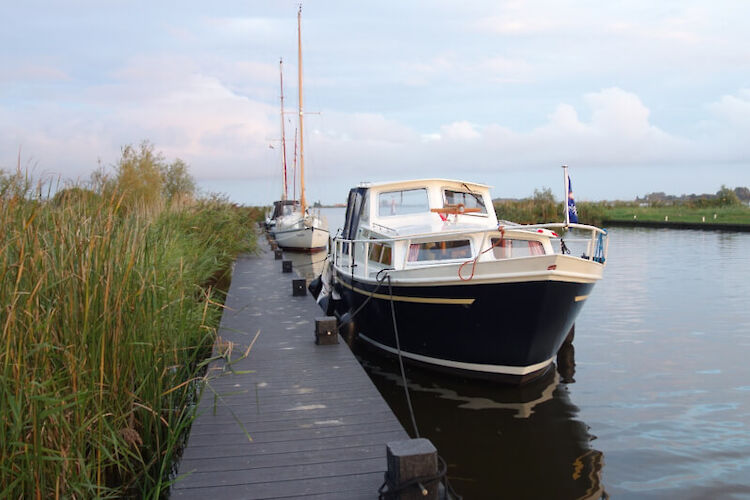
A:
{"x": 288, "y": 418}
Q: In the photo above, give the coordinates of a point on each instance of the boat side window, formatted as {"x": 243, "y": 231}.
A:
{"x": 505, "y": 248}
{"x": 364, "y": 214}
{"x": 465, "y": 198}
{"x": 439, "y": 250}
{"x": 404, "y": 202}
{"x": 381, "y": 253}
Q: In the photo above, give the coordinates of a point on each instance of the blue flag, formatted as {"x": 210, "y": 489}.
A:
{"x": 572, "y": 211}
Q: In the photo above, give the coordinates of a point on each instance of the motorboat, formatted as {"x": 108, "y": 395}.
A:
{"x": 424, "y": 269}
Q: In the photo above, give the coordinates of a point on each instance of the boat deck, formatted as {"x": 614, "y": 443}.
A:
{"x": 290, "y": 419}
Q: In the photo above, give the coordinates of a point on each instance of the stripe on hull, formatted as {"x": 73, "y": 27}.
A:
{"x": 505, "y": 370}
{"x": 403, "y": 298}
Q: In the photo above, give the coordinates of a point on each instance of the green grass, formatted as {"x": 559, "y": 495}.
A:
{"x": 713, "y": 215}
{"x": 106, "y": 314}
{"x": 530, "y": 211}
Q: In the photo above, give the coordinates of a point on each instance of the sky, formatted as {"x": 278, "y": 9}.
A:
{"x": 635, "y": 96}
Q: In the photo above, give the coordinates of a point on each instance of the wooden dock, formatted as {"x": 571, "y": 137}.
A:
{"x": 291, "y": 419}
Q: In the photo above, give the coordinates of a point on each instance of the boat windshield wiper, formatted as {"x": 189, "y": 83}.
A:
{"x": 472, "y": 193}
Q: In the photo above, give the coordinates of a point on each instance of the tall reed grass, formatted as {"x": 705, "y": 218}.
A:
{"x": 105, "y": 314}
{"x": 542, "y": 207}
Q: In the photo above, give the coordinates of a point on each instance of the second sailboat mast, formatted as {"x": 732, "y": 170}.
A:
{"x": 303, "y": 202}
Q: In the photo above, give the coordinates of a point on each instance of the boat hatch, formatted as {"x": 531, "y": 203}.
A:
{"x": 403, "y": 202}
{"x": 439, "y": 250}
{"x": 505, "y": 248}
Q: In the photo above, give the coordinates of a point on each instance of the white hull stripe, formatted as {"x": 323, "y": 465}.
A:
{"x": 477, "y": 367}
{"x": 402, "y": 298}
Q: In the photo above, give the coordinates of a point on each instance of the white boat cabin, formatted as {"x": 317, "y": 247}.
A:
{"x": 429, "y": 222}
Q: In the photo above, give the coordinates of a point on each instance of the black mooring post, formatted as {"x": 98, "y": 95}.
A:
{"x": 286, "y": 266}
{"x": 325, "y": 331}
{"x": 410, "y": 459}
{"x": 298, "y": 288}
{"x": 278, "y": 254}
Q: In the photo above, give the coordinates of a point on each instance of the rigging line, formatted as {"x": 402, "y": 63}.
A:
{"x": 400, "y": 359}
{"x": 476, "y": 259}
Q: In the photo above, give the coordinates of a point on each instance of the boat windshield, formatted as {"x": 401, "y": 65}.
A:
{"x": 465, "y": 198}
{"x": 403, "y": 202}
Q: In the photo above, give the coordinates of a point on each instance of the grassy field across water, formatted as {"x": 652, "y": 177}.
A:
{"x": 542, "y": 207}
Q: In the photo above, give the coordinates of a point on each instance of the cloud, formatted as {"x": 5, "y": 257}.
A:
{"x": 618, "y": 133}
{"x": 733, "y": 110}
{"x": 168, "y": 101}
{"x": 459, "y": 131}
{"x": 451, "y": 67}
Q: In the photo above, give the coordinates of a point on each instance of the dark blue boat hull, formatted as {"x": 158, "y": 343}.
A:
{"x": 508, "y": 329}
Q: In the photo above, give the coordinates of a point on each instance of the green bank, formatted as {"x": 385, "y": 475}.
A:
{"x": 109, "y": 305}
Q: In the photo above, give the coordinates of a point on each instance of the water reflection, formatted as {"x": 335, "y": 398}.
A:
{"x": 307, "y": 265}
{"x": 498, "y": 441}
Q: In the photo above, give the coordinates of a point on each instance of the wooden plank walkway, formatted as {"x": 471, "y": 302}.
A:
{"x": 307, "y": 422}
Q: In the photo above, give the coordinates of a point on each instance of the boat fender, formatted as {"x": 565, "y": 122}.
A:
{"x": 315, "y": 286}
{"x": 347, "y": 326}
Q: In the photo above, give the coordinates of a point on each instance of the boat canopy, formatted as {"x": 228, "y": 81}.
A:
{"x": 283, "y": 207}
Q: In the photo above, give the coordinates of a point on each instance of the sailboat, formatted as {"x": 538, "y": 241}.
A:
{"x": 284, "y": 206}
{"x": 297, "y": 227}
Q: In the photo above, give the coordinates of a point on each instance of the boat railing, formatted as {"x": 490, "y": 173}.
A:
{"x": 595, "y": 245}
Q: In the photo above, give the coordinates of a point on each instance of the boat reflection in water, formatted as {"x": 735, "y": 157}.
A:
{"x": 307, "y": 265}
{"x": 499, "y": 441}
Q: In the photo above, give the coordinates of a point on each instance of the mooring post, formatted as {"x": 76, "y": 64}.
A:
{"x": 325, "y": 331}
{"x": 298, "y": 288}
{"x": 408, "y": 460}
{"x": 286, "y": 266}
{"x": 278, "y": 254}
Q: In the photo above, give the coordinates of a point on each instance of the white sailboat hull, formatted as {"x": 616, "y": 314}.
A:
{"x": 310, "y": 233}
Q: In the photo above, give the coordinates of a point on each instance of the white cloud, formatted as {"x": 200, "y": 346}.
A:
{"x": 734, "y": 110}
{"x": 459, "y": 131}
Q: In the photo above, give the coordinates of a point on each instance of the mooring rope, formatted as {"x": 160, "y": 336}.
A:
{"x": 400, "y": 359}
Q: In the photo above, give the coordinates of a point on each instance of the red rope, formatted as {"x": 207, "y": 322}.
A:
{"x": 475, "y": 259}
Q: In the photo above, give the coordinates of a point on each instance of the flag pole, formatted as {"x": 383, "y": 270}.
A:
{"x": 566, "y": 194}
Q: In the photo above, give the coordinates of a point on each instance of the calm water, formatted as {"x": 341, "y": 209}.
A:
{"x": 652, "y": 402}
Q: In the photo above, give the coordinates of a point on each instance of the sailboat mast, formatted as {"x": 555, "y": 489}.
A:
{"x": 303, "y": 202}
{"x": 294, "y": 165}
{"x": 283, "y": 137}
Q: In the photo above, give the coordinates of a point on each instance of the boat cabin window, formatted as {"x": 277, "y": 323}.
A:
{"x": 505, "y": 248}
{"x": 465, "y": 198}
{"x": 380, "y": 253}
{"x": 407, "y": 201}
{"x": 439, "y": 250}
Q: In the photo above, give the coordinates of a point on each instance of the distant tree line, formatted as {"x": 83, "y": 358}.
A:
{"x": 722, "y": 198}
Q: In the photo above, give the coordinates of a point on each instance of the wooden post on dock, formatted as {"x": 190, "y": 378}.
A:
{"x": 325, "y": 331}
{"x": 408, "y": 460}
{"x": 298, "y": 288}
{"x": 278, "y": 254}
